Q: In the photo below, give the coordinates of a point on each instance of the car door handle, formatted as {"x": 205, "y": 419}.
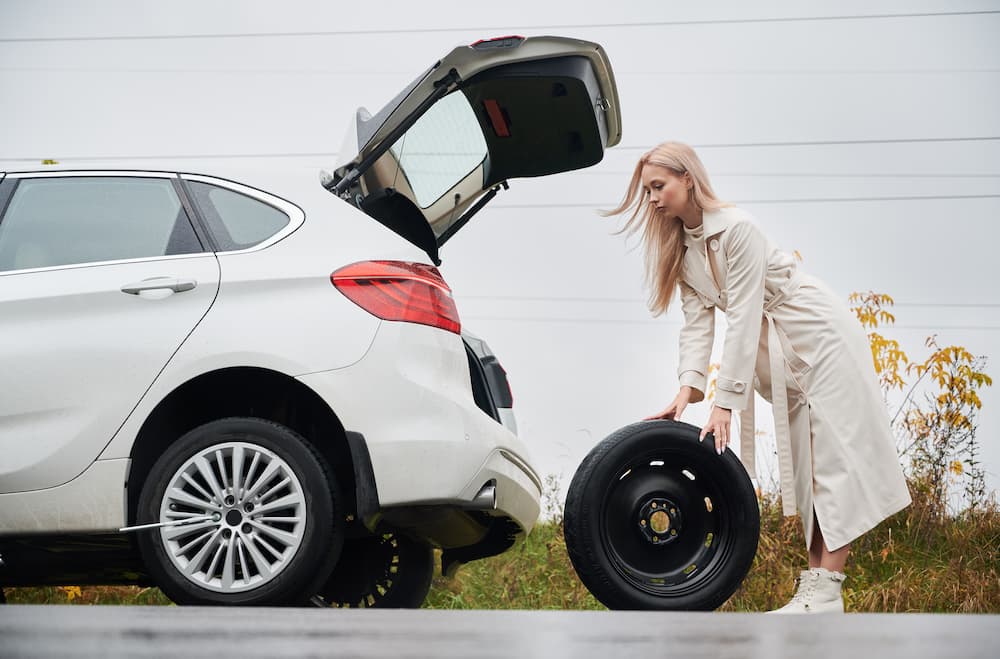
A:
{"x": 160, "y": 283}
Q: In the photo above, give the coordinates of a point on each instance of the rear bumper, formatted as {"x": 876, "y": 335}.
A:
{"x": 430, "y": 444}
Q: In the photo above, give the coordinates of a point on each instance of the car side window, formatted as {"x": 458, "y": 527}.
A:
{"x": 89, "y": 219}
{"x": 236, "y": 220}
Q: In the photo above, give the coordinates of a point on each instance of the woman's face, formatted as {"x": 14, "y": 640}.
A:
{"x": 666, "y": 191}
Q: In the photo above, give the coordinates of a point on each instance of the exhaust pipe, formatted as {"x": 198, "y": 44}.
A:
{"x": 486, "y": 499}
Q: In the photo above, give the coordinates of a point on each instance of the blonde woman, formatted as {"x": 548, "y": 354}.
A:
{"x": 790, "y": 338}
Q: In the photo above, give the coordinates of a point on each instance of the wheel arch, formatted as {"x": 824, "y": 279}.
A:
{"x": 262, "y": 393}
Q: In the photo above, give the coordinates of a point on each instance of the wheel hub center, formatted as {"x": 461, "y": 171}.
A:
{"x": 659, "y": 520}
{"x": 234, "y": 517}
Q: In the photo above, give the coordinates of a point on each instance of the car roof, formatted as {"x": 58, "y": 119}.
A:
{"x": 295, "y": 182}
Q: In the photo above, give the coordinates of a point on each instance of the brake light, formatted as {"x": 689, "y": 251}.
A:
{"x": 509, "y": 41}
{"x": 400, "y": 290}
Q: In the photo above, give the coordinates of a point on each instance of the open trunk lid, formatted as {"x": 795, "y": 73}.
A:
{"x": 484, "y": 114}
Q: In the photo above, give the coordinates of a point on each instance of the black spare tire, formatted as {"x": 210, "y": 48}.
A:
{"x": 656, "y": 519}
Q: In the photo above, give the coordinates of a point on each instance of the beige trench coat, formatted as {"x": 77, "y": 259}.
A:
{"x": 793, "y": 340}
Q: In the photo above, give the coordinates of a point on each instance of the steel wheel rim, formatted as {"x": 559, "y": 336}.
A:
{"x": 258, "y": 512}
{"x": 378, "y": 562}
{"x": 705, "y": 540}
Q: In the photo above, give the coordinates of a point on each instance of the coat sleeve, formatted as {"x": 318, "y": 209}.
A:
{"x": 696, "y": 339}
{"x": 746, "y": 257}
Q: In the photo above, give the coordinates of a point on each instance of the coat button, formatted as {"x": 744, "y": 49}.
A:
{"x": 739, "y": 387}
{"x": 714, "y": 244}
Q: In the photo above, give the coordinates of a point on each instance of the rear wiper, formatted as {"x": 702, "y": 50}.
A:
{"x": 476, "y": 207}
{"x": 441, "y": 88}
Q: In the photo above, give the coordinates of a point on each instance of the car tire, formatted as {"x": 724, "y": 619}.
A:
{"x": 271, "y": 536}
{"x": 384, "y": 571}
{"x": 655, "y": 519}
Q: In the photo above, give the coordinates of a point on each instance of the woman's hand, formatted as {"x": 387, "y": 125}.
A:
{"x": 718, "y": 424}
{"x": 674, "y": 409}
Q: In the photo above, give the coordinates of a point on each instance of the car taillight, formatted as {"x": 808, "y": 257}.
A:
{"x": 399, "y": 290}
{"x": 510, "y": 41}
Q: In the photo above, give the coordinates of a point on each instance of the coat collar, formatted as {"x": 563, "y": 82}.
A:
{"x": 714, "y": 221}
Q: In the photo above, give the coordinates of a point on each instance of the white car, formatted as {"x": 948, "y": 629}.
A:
{"x": 248, "y": 392}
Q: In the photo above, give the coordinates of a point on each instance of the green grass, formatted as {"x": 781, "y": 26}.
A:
{"x": 910, "y": 562}
{"x": 86, "y": 595}
{"x": 534, "y": 574}
{"x": 914, "y": 561}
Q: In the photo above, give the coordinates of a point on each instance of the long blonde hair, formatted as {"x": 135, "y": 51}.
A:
{"x": 663, "y": 238}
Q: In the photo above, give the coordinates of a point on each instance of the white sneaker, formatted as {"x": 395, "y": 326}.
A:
{"x": 818, "y": 592}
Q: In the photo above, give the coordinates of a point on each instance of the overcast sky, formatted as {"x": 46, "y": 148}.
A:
{"x": 870, "y": 145}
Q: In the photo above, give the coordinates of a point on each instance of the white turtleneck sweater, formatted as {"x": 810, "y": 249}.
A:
{"x": 698, "y": 234}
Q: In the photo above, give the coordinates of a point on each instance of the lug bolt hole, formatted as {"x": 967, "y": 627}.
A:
{"x": 230, "y": 500}
{"x": 246, "y": 528}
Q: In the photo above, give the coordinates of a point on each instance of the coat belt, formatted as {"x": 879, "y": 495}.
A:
{"x": 780, "y": 352}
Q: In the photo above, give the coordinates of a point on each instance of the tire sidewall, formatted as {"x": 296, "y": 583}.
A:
{"x": 321, "y": 541}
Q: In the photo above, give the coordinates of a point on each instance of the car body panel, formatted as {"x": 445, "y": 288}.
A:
{"x": 273, "y": 306}
{"x": 78, "y": 354}
{"x": 428, "y": 422}
{"x": 93, "y": 502}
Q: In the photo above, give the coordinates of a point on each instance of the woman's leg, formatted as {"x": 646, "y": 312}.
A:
{"x": 820, "y": 556}
{"x": 819, "y": 586}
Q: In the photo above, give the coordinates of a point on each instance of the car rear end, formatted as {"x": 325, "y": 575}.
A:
{"x": 435, "y": 412}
